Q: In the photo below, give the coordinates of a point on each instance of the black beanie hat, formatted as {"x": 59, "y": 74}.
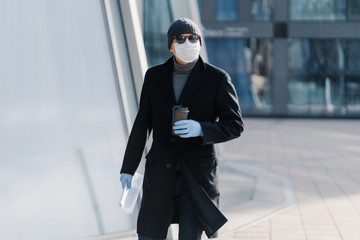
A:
{"x": 182, "y": 26}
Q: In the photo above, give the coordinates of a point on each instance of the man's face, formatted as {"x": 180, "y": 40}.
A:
{"x": 172, "y": 48}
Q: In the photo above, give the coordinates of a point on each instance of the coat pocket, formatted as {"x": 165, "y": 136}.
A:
{"x": 207, "y": 162}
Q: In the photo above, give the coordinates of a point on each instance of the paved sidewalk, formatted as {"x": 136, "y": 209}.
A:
{"x": 289, "y": 179}
{"x": 322, "y": 159}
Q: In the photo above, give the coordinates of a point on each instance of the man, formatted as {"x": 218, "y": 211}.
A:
{"x": 180, "y": 179}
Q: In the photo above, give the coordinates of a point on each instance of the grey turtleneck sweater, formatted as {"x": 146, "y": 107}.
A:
{"x": 180, "y": 75}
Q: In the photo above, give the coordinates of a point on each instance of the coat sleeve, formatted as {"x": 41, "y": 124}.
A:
{"x": 141, "y": 129}
{"x": 230, "y": 123}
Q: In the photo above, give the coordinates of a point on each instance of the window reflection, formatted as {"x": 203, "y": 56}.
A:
{"x": 324, "y": 76}
{"x": 353, "y": 9}
{"x": 324, "y": 10}
{"x": 226, "y": 9}
{"x": 261, "y": 9}
{"x": 249, "y": 64}
{"x": 157, "y": 19}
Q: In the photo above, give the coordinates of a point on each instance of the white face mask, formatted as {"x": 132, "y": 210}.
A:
{"x": 187, "y": 52}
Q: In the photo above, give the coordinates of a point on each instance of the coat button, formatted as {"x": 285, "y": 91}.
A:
{"x": 168, "y": 165}
{"x": 172, "y": 139}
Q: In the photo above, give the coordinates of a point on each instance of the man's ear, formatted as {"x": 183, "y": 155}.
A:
{"x": 172, "y": 49}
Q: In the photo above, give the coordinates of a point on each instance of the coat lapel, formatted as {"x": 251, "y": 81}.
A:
{"x": 167, "y": 83}
{"x": 195, "y": 80}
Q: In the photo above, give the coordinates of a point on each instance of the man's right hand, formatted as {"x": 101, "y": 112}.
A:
{"x": 125, "y": 178}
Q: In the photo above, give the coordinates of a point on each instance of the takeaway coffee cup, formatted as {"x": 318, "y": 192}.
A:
{"x": 179, "y": 113}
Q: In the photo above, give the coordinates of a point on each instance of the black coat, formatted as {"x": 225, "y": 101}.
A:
{"x": 212, "y": 101}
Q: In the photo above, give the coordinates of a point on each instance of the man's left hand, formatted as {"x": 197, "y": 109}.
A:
{"x": 188, "y": 128}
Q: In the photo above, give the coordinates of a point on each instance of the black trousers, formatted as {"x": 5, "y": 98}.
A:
{"x": 189, "y": 224}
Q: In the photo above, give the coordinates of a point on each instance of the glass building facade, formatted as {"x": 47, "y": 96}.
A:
{"x": 323, "y": 76}
{"x": 288, "y": 58}
{"x": 325, "y": 10}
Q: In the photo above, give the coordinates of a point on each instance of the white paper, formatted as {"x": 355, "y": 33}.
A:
{"x": 129, "y": 196}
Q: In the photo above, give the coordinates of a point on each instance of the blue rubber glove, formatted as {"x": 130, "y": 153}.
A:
{"x": 188, "y": 128}
{"x": 125, "y": 178}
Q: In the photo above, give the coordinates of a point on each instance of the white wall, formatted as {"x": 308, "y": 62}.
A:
{"x": 58, "y": 102}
